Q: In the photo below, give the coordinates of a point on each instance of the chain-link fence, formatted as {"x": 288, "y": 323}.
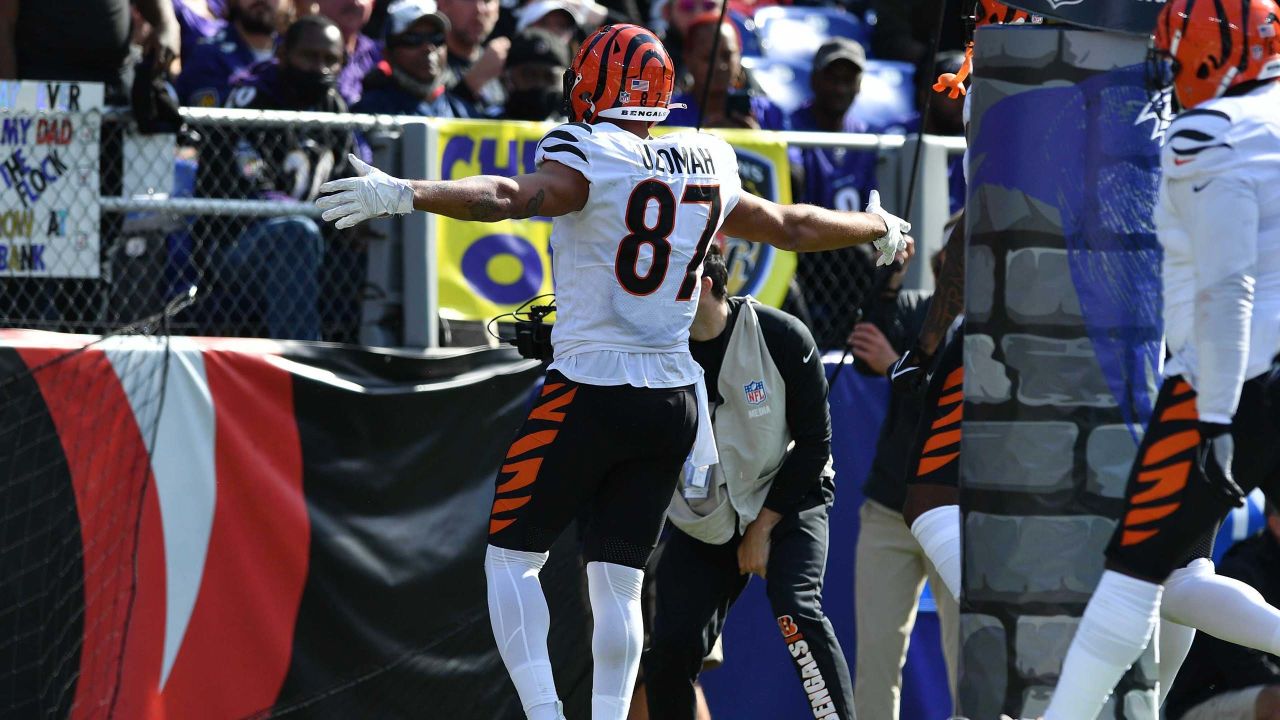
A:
{"x": 225, "y": 207}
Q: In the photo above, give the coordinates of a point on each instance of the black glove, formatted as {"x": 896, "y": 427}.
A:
{"x": 909, "y": 373}
{"x": 1214, "y": 455}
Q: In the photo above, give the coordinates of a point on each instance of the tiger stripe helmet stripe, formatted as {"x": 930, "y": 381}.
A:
{"x": 622, "y": 72}
{"x": 1216, "y": 45}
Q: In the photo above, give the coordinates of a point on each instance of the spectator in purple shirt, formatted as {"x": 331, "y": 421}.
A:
{"x": 834, "y": 177}
{"x": 271, "y": 266}
{"x": 362, "y": 53}
{"x": 195, "y": 24}
{"x": 248, "y": 37}
{"x": 728, "y": 102}
{"x": 838, "y": 178}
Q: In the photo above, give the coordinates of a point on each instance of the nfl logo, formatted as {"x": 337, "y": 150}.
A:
{"x": 754, "y": 392}
{"x": 624, "y": 97}
{"x": 640, "y": 85}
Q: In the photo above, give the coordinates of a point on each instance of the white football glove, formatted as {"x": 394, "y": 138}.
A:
{"x": 894, "y": 241}
{"x": 373, "y": 194}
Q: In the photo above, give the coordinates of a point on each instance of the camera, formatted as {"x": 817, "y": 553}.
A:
{"x": 533, "y": 333}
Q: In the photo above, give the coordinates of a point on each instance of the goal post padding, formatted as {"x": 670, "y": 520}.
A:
{"x": 1061, "y": 349}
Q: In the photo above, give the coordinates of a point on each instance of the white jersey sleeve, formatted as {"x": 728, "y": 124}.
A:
{"x": 568, "y": 144}
{"x": 1210, "y": 220}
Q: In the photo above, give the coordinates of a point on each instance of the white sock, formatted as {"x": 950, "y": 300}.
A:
{"x": 518, "y": 613}
{"x": 938, "y": 532}
{"x": 618, "y": 637}
{"x": 1116, "y": 626}
{"x": 1224, "y": 607}
{"x": 1174, "y": 644}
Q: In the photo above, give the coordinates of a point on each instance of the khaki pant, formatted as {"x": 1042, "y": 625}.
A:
{"x": 890, "y": 575}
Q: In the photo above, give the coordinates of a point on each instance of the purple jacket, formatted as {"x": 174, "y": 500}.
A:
{"x": 833, "y": 177}
{"x": 211, "y": 67}
{"x": 350, "y": 80}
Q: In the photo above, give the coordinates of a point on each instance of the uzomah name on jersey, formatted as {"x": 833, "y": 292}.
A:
{"x": 678, "y": 160}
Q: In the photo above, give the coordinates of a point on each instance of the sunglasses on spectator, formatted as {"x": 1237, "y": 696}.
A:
{"x": 695, "y": 5}
{"x": 417, "y": 39}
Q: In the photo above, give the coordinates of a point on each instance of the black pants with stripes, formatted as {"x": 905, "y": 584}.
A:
{"x": 1171, "y": 506}
{"x": 614, "y": 451}
{"x": 695, "y": 584}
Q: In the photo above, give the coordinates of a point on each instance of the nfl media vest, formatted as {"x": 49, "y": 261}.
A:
{"x": 751, "y": 436}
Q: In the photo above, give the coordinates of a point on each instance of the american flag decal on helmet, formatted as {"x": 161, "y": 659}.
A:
{"x": 639, "y": 85}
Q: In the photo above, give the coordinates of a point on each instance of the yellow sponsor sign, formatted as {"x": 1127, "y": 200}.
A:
{"x": 487, "y": 269}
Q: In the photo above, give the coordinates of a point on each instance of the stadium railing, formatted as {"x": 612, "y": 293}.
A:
{"x": 376, "y": 284}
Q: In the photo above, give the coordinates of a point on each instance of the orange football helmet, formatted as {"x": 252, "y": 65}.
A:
{"x": 1204, "y": 48}
{"x": 622, "y": 72}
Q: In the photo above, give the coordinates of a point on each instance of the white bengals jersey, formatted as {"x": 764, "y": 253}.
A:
{"x": 1218, "y": 219}
{"x": 626, "y": 268}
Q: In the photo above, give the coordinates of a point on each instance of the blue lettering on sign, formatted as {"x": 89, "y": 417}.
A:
{"x": 475, "y": 268}
{"x": 14, "y": 131}
{"x": 465, "y": 150}
{"x": 31, "y": 182}
{"x": 22, "y": 258}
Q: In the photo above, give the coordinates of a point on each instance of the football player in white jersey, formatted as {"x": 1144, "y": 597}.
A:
{"x": 623, "y": 406}
{"x": 1215, "y": 430}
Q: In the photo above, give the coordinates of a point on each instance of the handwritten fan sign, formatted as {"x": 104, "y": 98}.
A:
{"x": 49, "y": 179}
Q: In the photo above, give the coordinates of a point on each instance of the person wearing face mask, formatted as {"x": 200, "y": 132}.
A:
{"x": 249, "y": 37}
{"x": 534, "y": 77}
{"x": 413, "y": 77}
{"x": 269, "y": 268}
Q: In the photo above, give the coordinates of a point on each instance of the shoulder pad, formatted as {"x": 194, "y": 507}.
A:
{"x": 567, "y": 144}
{"x": 1197, "y": 141}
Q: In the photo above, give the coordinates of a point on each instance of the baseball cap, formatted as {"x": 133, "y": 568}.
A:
{"x": 535, "y": 45}
{"x": 586, "y": 13}
{"x": 839, "y": 48}
{"x": 403, "y": 13}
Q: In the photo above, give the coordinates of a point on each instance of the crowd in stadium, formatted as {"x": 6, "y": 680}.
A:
{"x": 861, "y": 66}
{"x": 830, "y": 68}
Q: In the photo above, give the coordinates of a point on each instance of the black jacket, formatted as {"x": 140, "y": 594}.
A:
{"x": 886, "y": 482}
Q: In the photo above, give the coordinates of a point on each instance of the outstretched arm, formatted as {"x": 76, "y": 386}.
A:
{"x": 800, "y": 228}
{"x": 553, "y": 189}
{"x": 808, "y": 228}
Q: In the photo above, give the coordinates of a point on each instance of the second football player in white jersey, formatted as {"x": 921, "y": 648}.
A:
{"x": 1214, "y": 429}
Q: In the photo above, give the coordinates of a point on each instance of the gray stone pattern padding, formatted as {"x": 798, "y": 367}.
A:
{"x": 1046, "y": 452}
